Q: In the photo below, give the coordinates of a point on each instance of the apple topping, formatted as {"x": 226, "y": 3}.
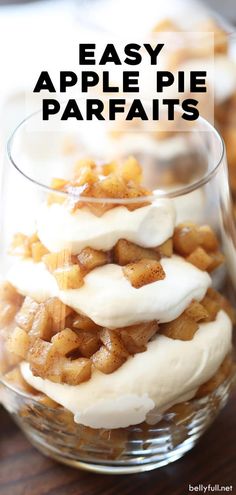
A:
{"x": 90, "y": 258}
{"x": 199, "y": 245}
{"x": 107, "y": 362}
{"x": 143, "y": 272}
{"x": 126, "y": 252}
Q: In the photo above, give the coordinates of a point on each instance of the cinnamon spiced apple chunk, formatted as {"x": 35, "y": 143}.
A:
{"x": 109, "y": 293}
{"x": 10, "y": 301}
{"x": 144, "y": 272}
{"x": 69, "y": 270}
{"x": 199, "y": 245}
{"x": 19, "y": 342}
{"x": 90, "y": 258}
{"x": 126, "y": 252}
{"x": 136, "y": 337}
{"x": 186, "y": 325}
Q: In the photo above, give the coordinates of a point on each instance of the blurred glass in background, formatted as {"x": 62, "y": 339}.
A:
{"x": 44, "y": 35}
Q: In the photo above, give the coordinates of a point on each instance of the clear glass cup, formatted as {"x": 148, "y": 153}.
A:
{"x": 148, "y": 400}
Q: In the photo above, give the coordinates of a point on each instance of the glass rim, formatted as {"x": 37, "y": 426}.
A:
{"x": 175, "y": 192}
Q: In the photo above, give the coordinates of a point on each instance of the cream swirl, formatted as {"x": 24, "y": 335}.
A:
{"x": 109, "y": 299}
{"x": 148, "y": 226}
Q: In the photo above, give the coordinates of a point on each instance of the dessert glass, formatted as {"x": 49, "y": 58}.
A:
{"x": 147, "y": 406}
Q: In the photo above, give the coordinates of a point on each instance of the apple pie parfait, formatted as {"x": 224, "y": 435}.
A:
{"x": 116, "y": 334}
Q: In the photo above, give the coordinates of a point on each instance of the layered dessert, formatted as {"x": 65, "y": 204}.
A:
{"x": 108, "y": 309}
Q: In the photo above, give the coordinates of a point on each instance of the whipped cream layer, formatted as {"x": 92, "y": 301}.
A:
{"x": 32, "y": 279}
{"x": 109, "y": 299}
{"x": 169, "y": 372}
{"x": 148, "y": 226}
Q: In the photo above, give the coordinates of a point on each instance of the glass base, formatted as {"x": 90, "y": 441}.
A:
{"x": 155, "y": 462}
{"x": 134, "y": 449}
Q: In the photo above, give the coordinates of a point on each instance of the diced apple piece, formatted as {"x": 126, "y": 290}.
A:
{"x": 207, "y": 238}
{"x": 200, "y": 259}
{"x": 131, "y": 170}
{"x": 8, "y": 311}
{"x": 130, "y": 344}
{"x": 84, "y": 162}
{"x": 85, "y": 175}
{"x": 18, "y": 342}
{"x": 109, "y": 168}
{"x": 25, "y": 316}
{"x": 65, "y": 341}
{"x": 126, "y": 252}
{"x": 8, "y": 293}
{"x": 98, "y": 209}
{"x": 58, "y": 312}
{"x": 42, "y": 324}
{"x": 113, "y": 342}
{"x": 216, "y": 296}
{"x": 76, "y": 371}
{"x": 33, "y": 238}
{"x": 41, "y": 357}
{"x": 86, "y": 191}
{"x": 144, "y": 272}
{"x": 113, "y": 187}
{"x": 38, "y": 251}
{"x": 134, "y": 192}
{"x": 185, "y": 238}
{"x": 107, "y": 362}
{"x": 217, "y": 259}
{"x": 83, "y": 322}
{"x": 89, "y": 344}
{"x": 212, "y": 307}
{"x": 135, "y": 205}
{"x": 10, "y": 302}
{"x": 57, "y": 260}
{"x": 142, "y": 332}
{"x": 197, "y": 312}
{"x": 69, "y": 277}
{"x": 90, "y": 258}
{"x": 136, "y": 337}
{"x": 182, "y": 328}
{"x": 55, "y": 377}
{"x": 54, "y": 371}
{"x": 58, "y": 184}
{"x": 166, "y": 249}
{"x": 222, "y": 302}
